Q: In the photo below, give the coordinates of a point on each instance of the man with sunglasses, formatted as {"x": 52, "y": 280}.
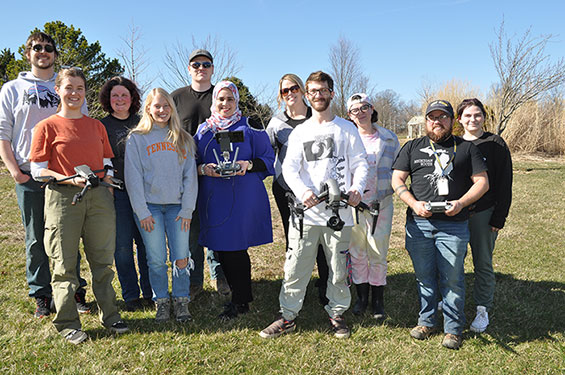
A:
{"x": 447, "y": 174}
{"x": 193, "y": 106}
{"x": 324, "y": 147}
{"x": 23, "y": 103}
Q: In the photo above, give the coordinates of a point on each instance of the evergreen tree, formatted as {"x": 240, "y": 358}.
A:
{"x": 249, "y": 105}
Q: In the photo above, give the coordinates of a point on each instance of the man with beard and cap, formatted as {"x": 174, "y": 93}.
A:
{"x": 323, "y": 147}
{"x": 24, "y": 102}
{"x": 450, "y": 173}
{"x": 193, "y": 105}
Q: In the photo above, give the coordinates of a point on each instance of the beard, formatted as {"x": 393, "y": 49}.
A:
{"x": 320, "y": 105}
{"x": 438, "y": 137}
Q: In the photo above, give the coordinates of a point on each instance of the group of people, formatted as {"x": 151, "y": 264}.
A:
{"x": 193, "y": 168}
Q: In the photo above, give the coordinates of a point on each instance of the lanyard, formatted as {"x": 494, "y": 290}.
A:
{"x": 437, "y": 157}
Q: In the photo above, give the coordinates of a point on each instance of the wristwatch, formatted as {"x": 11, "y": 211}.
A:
{"x": 249, "y": 165}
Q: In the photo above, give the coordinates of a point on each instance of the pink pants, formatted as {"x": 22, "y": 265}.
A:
{"x": 368, "y": 252}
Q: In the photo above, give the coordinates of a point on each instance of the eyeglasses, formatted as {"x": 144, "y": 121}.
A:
{"x": 40, "y": 48}
{"x": 438, "y": 118}
{"x": 205, "y": 65}
{"x": 364, "y": 108}
{"x": 294, "y": 89}
{"x": 323, "y": 91}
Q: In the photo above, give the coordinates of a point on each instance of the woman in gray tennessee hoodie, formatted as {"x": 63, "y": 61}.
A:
{"x": 160, "y": 177}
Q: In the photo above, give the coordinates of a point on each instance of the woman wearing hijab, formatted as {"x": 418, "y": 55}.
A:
{"x": 234, "y": 210}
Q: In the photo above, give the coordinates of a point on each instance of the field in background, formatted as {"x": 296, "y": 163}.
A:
{"x": 527, "y": 332}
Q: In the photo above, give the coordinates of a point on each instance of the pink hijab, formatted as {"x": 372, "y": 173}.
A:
{"x": 217, "y": 122}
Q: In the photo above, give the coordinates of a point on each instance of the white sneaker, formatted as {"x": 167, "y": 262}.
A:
{"x": 480, "y": 323}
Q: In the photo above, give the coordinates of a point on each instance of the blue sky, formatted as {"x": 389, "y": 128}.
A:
{"x": 403, "y": 43}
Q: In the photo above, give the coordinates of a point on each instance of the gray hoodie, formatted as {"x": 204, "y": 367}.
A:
{"x": 153, "y": 174}
{"x": 23, "y": 103}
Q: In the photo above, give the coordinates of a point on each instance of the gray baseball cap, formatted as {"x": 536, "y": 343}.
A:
{"x": 200, "y": 52}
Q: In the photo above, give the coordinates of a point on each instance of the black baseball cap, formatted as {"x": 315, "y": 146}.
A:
{"x": 200, "y": 52}
{"x": 440, "y": 105}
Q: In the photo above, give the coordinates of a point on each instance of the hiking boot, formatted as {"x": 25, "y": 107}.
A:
{"x": 221, "y": 286}
{"x": 230, "y": 312}
{"x": 362, "y": 298}
{"x": 195, "y": 290}
{"x": 180, "y": 307}
{"x": 163, "y": 310}
{"x": 134, "y": 305}
{"x": 80, "y": 299}
{"x": 421, "y": 332}
{"x": 480, "y": 323}
{"x": 341, "y": 330}
{"x": 378, "y": 304}
{"x": 277, "y": 328}
{"x": 76, "y": 336}
{"x": 452, "y": 341}
{"x": 119, "y": 327}
{"x": 43, "y": 308}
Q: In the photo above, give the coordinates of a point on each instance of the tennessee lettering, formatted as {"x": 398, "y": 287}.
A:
{"x": 162, "y": 146}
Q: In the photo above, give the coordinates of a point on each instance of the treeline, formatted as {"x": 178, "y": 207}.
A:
{"x": 526, "y": 106}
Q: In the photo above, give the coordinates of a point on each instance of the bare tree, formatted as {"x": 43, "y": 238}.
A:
{"x": 134, "y": 58}
{"x": 524, "y": 70}
{"x": 177, "y": 58}
{"x": 347, "y": 74}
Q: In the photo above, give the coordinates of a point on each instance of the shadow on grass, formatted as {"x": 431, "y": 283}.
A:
{"x": 524, "y": 311}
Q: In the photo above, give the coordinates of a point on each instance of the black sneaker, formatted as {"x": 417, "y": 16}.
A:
{"x": 147, "y": 303}
{"x": 43, "y": 308}
{"x": 80, "y": 299}
{"x": 119, "y": 327}
{"x": 230, "y": 312}
{"x": 277, "y": 328}
{"x": 76, "y": 336}
{"x": 242, "y": 308}
{"x": 340, "y": 328}
{"x": 134, "y": 305}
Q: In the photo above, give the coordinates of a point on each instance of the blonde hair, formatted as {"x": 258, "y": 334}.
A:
{"x": 294, "y": 79}
{"x": 183, "y": 142}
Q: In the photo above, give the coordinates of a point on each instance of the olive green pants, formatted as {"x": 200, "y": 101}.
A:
{"x": 94, "y": 220}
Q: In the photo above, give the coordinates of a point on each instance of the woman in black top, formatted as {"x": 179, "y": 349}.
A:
{"x": 120, "y": 98}
{"x": 488, "y": 214}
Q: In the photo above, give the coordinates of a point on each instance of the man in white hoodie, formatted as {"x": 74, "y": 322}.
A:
{"x": 23, "y": 103}
{"x": 321, "y": 148}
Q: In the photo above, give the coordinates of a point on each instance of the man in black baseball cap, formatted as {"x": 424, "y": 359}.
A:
{"x": 447, "y": 174}
{"x": 193, "y": 105}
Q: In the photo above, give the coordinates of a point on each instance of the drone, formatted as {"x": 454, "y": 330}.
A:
{"x": 92, "y": 180}
{"x": 335, "y": 199}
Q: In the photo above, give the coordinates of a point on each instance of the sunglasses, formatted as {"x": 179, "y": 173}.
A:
{"x": 294, "y": 89}
{"x": 205, "y": 65}
{"x": 47, "y": 48}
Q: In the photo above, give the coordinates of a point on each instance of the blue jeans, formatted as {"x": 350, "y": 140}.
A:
{"x": 31, "y": 200}
{"x": 197, "y": 253}
{"x": 126, "y": 233}
{"x": 437, "y": 249}
{"x": 166, "y": 231}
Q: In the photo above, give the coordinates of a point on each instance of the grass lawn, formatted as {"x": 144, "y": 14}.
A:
{"x": 526, "y": 335}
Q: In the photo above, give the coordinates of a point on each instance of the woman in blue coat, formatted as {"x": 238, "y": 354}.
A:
{"x": 234, "y": 210}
